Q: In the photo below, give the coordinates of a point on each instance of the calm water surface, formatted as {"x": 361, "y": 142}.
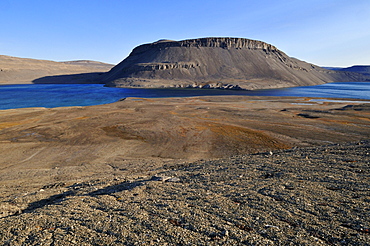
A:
{"x": 57, "y": 95}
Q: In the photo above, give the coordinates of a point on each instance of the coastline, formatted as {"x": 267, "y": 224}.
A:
{"x": 55, "y": 95}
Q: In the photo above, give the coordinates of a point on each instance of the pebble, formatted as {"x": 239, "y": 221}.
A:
{"x": 225, "y": 233}
{"x": 160, "y": 178}
{"x": 271, "y": 226}
{"x": 165, "y": 179}
{"x": 174, "y": 179}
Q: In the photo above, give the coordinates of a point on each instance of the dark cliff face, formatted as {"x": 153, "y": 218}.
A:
{"x": 215, "y": 63}
{"x": 209, "y": 42}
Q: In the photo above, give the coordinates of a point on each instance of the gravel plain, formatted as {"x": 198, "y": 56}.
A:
{"x": 303, "y": 196}
{"x": 190, "y": 171}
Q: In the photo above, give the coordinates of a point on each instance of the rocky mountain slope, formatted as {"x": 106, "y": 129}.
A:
{"x": 14, "y": 70}
{"x": 217, "y": 63}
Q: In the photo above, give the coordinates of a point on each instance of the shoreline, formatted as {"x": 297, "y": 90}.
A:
{"x": 61, "y": 100}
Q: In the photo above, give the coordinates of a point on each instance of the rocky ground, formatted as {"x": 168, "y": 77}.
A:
{"x": 187, "y": 171}
{"x": 304, "y": 196}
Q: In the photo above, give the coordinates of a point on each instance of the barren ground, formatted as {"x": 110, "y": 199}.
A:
{"x": 246, "y": 170}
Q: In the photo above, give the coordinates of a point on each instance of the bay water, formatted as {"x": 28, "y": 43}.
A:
{"x": 61, "y": 95}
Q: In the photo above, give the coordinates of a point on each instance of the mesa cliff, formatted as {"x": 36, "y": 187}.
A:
{"x": 231, "y": 63}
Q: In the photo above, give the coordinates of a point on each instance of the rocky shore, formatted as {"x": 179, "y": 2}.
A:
{"x": 301, "y": 196}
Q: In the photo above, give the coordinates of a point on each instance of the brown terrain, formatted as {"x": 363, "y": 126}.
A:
{"x": 187, "y": 171}
{"x": 224, "y": 170}
{"x": 14, "y": 70}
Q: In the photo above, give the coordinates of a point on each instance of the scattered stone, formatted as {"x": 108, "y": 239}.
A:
{"x": 165, "y": 179}
{"x": 271, "y": 226}
{"x": 244, "y": 227}
{"x": 225, "y": 233}
{"x": 289, "y": 187}
{"x": 55, "y": 185}
{"x": 160, "y": 178}
{"x": 202, "y": 211}
{"x": 175, "y": 222}
{"x": 174, "y": 179}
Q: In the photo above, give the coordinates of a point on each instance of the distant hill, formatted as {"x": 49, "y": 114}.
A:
{"x": 88, "y": 63}
{"x": 217, "y": 63}
{"x": 14, "y": 70}
{"x": 333, "y": 68}
{"x": 365, "y": 70}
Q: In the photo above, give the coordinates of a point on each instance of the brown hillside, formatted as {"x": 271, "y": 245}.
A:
{"x": 14, "y": 70}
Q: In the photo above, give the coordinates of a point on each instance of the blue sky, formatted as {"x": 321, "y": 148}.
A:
{"x": 323, "y": 32}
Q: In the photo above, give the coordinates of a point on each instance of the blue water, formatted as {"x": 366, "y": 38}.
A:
{"x": 60, "y": 95}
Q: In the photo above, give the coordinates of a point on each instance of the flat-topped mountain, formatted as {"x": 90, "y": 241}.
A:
{"x": 14, "y": 70}
{"x": 217, "y": 63}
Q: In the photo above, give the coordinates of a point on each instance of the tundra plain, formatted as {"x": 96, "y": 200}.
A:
{"x": 187, "y": 171}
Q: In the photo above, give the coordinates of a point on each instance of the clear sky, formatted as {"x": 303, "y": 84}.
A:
{"x": 323, "y": 32}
